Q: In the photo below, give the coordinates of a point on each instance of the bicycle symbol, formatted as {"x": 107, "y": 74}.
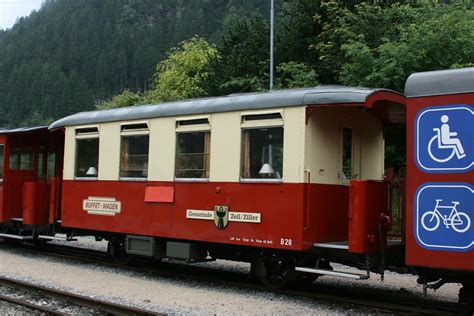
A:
{"x": 445, "y": 139}
{"x": 459, "y": 221}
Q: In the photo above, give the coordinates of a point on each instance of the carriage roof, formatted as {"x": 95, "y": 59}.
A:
{"x": 326, "y": 95}
{"x": 22, "y": 129}
{"x": 441, "y": 82}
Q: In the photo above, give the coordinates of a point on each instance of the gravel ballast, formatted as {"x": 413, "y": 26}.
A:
{"x": 14, "y": 310}
{"x": 177, "y": 295}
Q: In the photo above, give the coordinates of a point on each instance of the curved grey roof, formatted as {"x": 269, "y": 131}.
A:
{"x": 233, "y": 102}
{"x": 22, "y": 129}
{"x": 440, "y": 82}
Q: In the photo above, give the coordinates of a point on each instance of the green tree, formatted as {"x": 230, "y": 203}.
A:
{"x": 181, "y": 75}
{"x": 379, "y": 45}
{"x": 37, "y": 119}
{"x": 126, "y": 98}
{"x": 441, "y": 37}
{"x": 243, "y": 64}
{"x": 295, "y": 75}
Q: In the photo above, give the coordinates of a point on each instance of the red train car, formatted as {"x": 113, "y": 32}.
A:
{"x": 30, "y": 161}
{"x": 440, "y": 162}
{"x": 288, "y": 180}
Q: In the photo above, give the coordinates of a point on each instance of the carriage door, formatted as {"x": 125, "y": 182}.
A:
{"x": 49, "y": 173}
{"x": 349, "y": 152}
{"x": 47, "y": 163}
{"x": 2, "y": 147}
{"x": 346, "y": 153}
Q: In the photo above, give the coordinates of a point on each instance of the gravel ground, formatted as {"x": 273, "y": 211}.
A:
{"x": 179, "y": 296}
{"x": 14, "y": 310}
{"x": 40, "y": 300}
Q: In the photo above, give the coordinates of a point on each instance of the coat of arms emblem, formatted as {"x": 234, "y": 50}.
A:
{"x": 221, "y": 218}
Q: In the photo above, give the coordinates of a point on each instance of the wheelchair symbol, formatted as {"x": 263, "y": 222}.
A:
{"x": 446, "y": 141}
{"x": 459, "y": 221}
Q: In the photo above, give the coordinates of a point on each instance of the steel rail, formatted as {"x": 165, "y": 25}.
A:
{"x": 391, "y": 303}
{"x": 39, "y": 308}
{"x": 79, "y": 300}
{"x": 386, "y": 301}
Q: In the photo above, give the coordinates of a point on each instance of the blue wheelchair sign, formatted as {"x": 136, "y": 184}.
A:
{"x": 444, "y": 215}
{"x": 444, "y": 139}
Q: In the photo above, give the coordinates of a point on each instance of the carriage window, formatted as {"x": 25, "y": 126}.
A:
{"x": 134, "y": 150}
{"x": 262, "y": 153}
{"x": 346, "y": 153}
{"x": 192, "y": 154}
{"x": 87, "y": 158}
{"x": 1, "y": 162}
{"x": 258, "y": 117}
{"x": 21, "y": 159}
{"x": 51, "y": 163}
{"x": 87, "y": 152}
{"x": 47, "y": 169}
{"x": 41, "y": 163}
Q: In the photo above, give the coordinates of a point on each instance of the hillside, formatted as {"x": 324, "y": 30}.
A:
{"x": 71, "y": 54}
{"x": 74, "y": 54}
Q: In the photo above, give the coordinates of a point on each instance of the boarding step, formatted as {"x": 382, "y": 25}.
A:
{"x": 341, "y": 274}
{"x": 56, "y": 238}
{"x": 333, "y": 245}
{"x": 16, "y": 219}
{"x": 16, "y": 237}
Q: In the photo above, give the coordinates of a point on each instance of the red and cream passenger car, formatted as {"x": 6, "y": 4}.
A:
{"x": 229, "y": 176}
{"x": 288, "y": 180}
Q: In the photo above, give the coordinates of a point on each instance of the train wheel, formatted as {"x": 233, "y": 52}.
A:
{"x": 116, "y": 248}
{"x": 275, "y": 272}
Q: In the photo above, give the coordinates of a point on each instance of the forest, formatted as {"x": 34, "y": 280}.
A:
{"x": 73, "y": 56}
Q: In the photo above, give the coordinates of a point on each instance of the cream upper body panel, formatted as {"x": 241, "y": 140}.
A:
{"x": 294, "y": 145}
{"x": 69, "y": 153}
{"x": 225, "y": 150}
{"x": 372, "y": 148}
{"x": 161, "y": 158}
{"x": 109, "y": 144}
{"x": 324, "y": 145}
{"x": 225, "y": 147}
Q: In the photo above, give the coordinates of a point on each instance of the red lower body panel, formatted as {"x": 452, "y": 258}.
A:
{"x": 328, "y": 213}
{"x": 368, "y": 208}
{"x": 35, "y": 203}
{"x": 278, "y": 205}
{"x": 260, "y": 214}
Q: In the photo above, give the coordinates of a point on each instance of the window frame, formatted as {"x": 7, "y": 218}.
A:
{"x": 19, "y": 151}
{"x": 2, "y": 165}
{"x": 84, "y": 136}
{"x": 353, "y": 176}
{"x": 260, "y": 124}
{"x": 131, "y": 133}
{"x": 192, "y": 128}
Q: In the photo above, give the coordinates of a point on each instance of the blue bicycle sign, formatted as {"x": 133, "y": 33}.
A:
{"x": 443, "y": 139}
{"x": 444, "y": 213}
{"x": 459, "y": 221}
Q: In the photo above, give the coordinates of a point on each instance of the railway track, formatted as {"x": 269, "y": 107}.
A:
{"x": 379, "y": 300}
{"x": 96, "y": 306}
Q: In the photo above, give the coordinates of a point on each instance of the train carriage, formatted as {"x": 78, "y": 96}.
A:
{"x": 289, "y": 180}
{"x": 268, "y": 170}
{"x": 30, "y": 165}
{"x": 440, "y": 191}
